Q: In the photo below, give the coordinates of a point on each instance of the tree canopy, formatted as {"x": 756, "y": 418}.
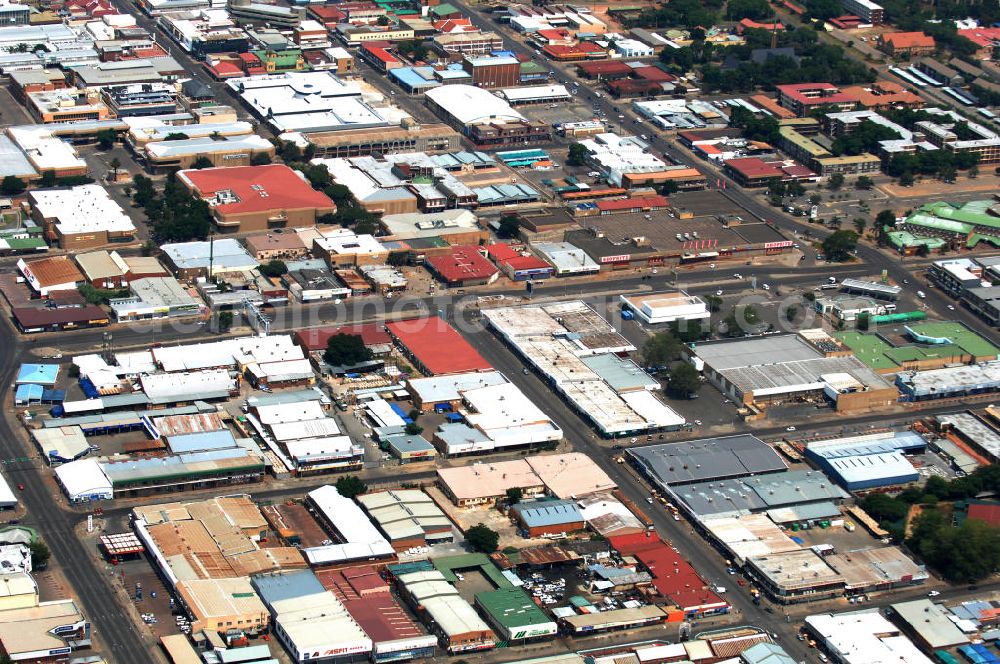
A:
{"x": 577, "y": 155}
{"x": 684, "y": 381}
{"x": 840, "y": 245}
{"x": 510, "y": 226}
{"x": 661, "y": 349}
{"x": 350, "y": 486}
{"x": 345, "y": 350}
{"x": 273, "y": 268}
{"x": 482, "y": 538}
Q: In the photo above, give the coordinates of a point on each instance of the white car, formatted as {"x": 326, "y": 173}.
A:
{"x": 934, "y": 593}
{"x": 718, "y": 293}
{"x": 789, "y": 428}
{"x": 766, "y": 287}
{"x": 951, "y": 307}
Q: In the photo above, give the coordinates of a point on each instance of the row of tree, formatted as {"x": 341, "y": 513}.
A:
{"x": 175, "y": 215}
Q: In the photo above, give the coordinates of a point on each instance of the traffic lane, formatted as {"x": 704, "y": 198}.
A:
{"x": 373, "y": 309}
{"x": 110, "y": 622}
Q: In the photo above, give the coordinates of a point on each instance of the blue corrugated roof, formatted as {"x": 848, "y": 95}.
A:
{"x": 202, "y": 441}
{"x": 548, "y": 513}
{"x": 38, "y": 374}
{"x": 28, "y": 393}
{"x": 277, "y": 587}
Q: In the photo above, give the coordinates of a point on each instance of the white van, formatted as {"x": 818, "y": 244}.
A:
{"x": 922, "y": 295}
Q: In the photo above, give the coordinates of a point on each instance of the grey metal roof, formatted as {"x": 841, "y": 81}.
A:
{"x": 758, "y": 351}
{"x": 288, "y": 585}
{"x": 707, "y": 459}
{"x": 12, "y": 160}
{"x": 751, "y": 494}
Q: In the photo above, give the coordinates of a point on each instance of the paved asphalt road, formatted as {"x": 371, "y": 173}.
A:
{"x": 99, "y": 601}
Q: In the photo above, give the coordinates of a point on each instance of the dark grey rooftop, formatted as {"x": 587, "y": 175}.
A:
{"x": 708, "y": 459}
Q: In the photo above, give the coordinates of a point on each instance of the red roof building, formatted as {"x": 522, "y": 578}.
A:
{"x": 631, "y": 87}
{"x": 604, "y": 69}
{"x": 451, "y": 25}
{"x": 581, "y": 51}
{"x": 463, "y": 266}
{"x": 516, "y": 265}
{"x": 988, "y": 512}
{"x": 223, "y": 69}
{"x": 982, "y": 37}
{"x": 367, "y": 597}
{"x": 634, "y": 204}
{"x": 800, "y": 98}
{"x": 258, "y": 198}
{"x": 436, "y": 347}
{"x": 651, "y": 73}
{"x": 752, "y": 171}
{"x": 907, "y": 43}
{"x": 673, "y": 577}
{"x": 378, "y": 55}
{"x": 749, "y": 24}
{"x": 374, "y": 336}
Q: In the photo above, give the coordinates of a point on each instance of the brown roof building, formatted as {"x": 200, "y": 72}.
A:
{"x": 50, "y": 274}
{"x": 275, "y": 245}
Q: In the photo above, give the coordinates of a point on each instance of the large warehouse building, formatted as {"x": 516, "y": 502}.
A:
{"x": 578, "y": 352}
{"x": 866, "y": 462}
{"x": 706, "y": 460}
{"x": 484, "y": 118}
{"x": 810, "y": 365}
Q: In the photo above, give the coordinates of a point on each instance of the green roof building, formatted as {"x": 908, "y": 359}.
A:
{"x": 514, "y": 615}
{"x": 888, "y": 355}
{"x": 971, "y": 223}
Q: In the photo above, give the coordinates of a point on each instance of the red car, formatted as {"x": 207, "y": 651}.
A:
{"x": 20, "y": 487}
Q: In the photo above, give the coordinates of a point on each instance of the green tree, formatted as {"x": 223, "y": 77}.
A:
{"x": 906, "y": 179}
{"x": 791, "y": 312}
{"x": 202, "y": 162}
{"x": 859, "y": 225}
{"x": 836, "y": 181}
{"x": 840, "y": 245}
{"x": 106, "y": 139}
{"x": 260, "y": 159}
{"x": 273, "y": 268}
{"x": 176, "y": 136}
{"x": 577, "y": 155}
{"x": 668, "y": 188}
{"x": 40, "y": 554}
{"x": 510, "y": 226}
{"x": 115, "y": 165}
{"x": 684, "y": 381}
{"x": 714, "y": 303}
{"x": 345, "y": 350}
{"x": 350, "y": 486}
{"x": 289, "y": 152}
{"x": 225, "y": 320}
{"x": 398, "y": 258}
{"x": 413, "y": 429}
{"x": 12, "y": 186}
{"x": 660, "y": 349}
{"x": 795, "y": 189}
{"x": 482, "y": 538}
{"x": 965, "y": 554}
{"x": 884, "y": 508}
{"x": 814, "y": 199}
{"x": 144, "y": 191}
{"x": 864, "y": 182}
{"x": 514, "y": 495}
